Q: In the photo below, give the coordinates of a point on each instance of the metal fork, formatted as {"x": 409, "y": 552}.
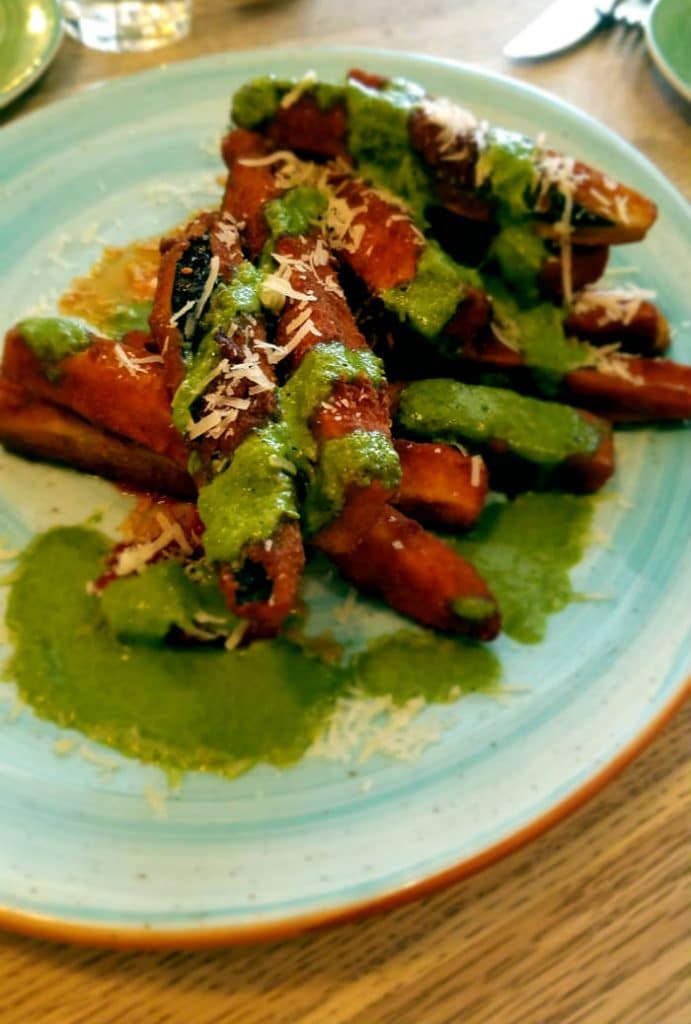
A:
{"x": 631, "y": 13}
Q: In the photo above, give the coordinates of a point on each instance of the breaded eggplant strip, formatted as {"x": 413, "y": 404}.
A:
{"x": 629, "y": 389}
{"x": 379, "y": 241}
{"x": 588, "y": 264}
{"x": 278, "y": 565}
{"x": 251, "y": 183}
{"x": 453, "y": 144}
{"x": 375, "y": 235}
{"x": 190, "y": 263}
{"x": 526, "y": 442}
{"x": 622, "y": 388}
{"x": 420, "y": 576}
{"x": 366, "y": 524}
{"x": 469, "y": 243}
{"x": 440, "y": 485}
{"x": 42, "y": 430}
{"x": 310, "y": 130}
{"x": 236, "y": 399}
{"x": 622, "y": 317}
{"x": 116, "y": 385}
{"x": 315, "y": 315}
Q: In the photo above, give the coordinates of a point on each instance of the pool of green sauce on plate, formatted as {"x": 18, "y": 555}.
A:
{"x": 205, "y": 708}
{"x": 525, "y": 549}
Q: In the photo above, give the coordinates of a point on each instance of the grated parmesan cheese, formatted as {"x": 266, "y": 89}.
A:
{"x": 615, "y": 305}
{"x": 235, "y": 638}
{"x": 104, "y": 764}
{"x": 193, "y": 317}
{"x": 133, "y": 364}
{"x": 365, "y": 726}
{"x": 181, "y": 312}
{"x": 156, "y": 801}
{"x": 476, "y": 465}
{"x": 135, "y": 557}
{"x": 456, "y": 127}
{"x": 296, "y": 92}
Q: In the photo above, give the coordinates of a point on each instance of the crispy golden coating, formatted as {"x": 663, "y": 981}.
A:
{"x": 42, "y": 430}
{"x": 420, "y": 576}
{"x": 440, "y": 485}
{"x": 106, "y": 384}
{"x": 280, "y": 560}
{"x": 605, "y": 317}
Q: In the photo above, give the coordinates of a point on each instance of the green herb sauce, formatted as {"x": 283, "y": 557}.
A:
{"x": 525, "y": 549}
{"x": 248, "y": 500}
{"x": 195, "y": 381}
{"x": 53, "y": 339}
{"x": 519, "y": 254}
{"x": 144, "y": 608}
{"x": 210, "y": 709}
{"x": 312, "y": 383}
{"x": 377, "y": 128}
{"x": 542, "y": 432}
{"x": 539, "y": 335}
{"x": 378, "y": 139}
{"x": 131, "y": 317}
{"x": 429, "y": 301}
{"x": 423, "y": 669}
{"x": 206, "y": 708}
{"x": 506, "y": 167}
{"x": 355, "y": 460}
{"x": 223, "y": 711}
{"x": 294, "y": 213}
{"x": 258, "y": 100}
{"x": 228, "y": 300}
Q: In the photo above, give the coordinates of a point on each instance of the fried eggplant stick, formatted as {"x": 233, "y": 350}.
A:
{"x": 116, "y": 385}
{"x": 537, "y": 443}
{"x": 190, "y": 264}
{"x": 622, "y": 388}
{"x": 224, "y": 403}
{"x": 419, "y": 575}
{"x": 45, "y": 431}
{"x": 335, "y": 391}
{"x": 459, "y": 152}
{"x": 624, "y": 317}
{"x": 440, "y": 485}
{"x": 458, "y": 321}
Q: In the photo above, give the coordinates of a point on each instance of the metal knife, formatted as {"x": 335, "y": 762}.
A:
{"x": 563, "y": 24}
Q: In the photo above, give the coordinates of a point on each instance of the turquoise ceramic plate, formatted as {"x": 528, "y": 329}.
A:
{"x": 91, "y": 853}
{"x": 30, "y": 33}
{"x": 668, "y": 31}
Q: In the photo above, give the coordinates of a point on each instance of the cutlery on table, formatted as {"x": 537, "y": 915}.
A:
{"x": 567, "y": 22}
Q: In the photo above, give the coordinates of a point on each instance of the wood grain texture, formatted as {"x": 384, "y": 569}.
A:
{"x": 589, "y": 924}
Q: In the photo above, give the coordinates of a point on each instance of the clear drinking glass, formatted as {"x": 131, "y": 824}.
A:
{"x": 123, "y": 26}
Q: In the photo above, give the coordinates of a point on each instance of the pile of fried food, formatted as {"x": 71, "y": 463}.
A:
{"x": 394, "y": 309}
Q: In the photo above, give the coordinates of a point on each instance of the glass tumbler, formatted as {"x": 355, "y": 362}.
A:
{"x": 125, "y": 26}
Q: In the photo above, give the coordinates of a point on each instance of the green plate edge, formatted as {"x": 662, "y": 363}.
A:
{"x": 668, "y": 34}
{"x": 26, "y": 50}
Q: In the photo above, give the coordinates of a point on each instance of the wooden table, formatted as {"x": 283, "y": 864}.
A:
{"x": 588, "y": 924}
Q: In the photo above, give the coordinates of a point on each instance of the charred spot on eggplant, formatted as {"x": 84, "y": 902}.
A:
{"x": 253, "y": 583}
{"x": 191, "y": 274}
{"x": 466, "y": 241}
